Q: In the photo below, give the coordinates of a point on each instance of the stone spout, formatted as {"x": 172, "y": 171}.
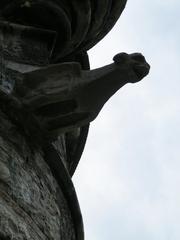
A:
{"x": 64, "y": 97}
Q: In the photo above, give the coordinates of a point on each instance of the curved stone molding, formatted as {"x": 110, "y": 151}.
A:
{"x": 79, "y": 24}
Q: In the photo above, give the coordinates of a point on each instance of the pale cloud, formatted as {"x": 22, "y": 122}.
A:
{"x": 128, "y": 179}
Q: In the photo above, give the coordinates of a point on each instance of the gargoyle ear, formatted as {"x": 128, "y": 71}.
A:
{"x": 138, "y": 57}
{"x": 121, "y": 58}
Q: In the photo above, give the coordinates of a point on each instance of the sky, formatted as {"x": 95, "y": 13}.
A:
{"x": 128, "y": 179}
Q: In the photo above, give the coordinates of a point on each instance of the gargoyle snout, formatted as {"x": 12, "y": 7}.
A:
{"x": 140, "y": 66}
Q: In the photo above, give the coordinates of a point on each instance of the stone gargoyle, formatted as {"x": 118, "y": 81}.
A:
{"x": 63, "y": 96}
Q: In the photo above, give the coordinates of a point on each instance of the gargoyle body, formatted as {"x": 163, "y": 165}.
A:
{"x": 64, "y": 96}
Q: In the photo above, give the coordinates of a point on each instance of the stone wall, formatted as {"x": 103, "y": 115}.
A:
{"x": 32, "y": 205}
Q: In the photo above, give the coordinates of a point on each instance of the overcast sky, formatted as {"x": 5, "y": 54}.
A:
{"x": 128, "y": 180}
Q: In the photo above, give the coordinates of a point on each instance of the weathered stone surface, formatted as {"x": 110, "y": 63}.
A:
{"x": 26, "y": 44}
{"x": 32, "y": 204}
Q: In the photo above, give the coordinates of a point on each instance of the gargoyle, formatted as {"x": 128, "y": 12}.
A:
{"x": 61, "y": 98}
{"x": 64, "y": 97}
